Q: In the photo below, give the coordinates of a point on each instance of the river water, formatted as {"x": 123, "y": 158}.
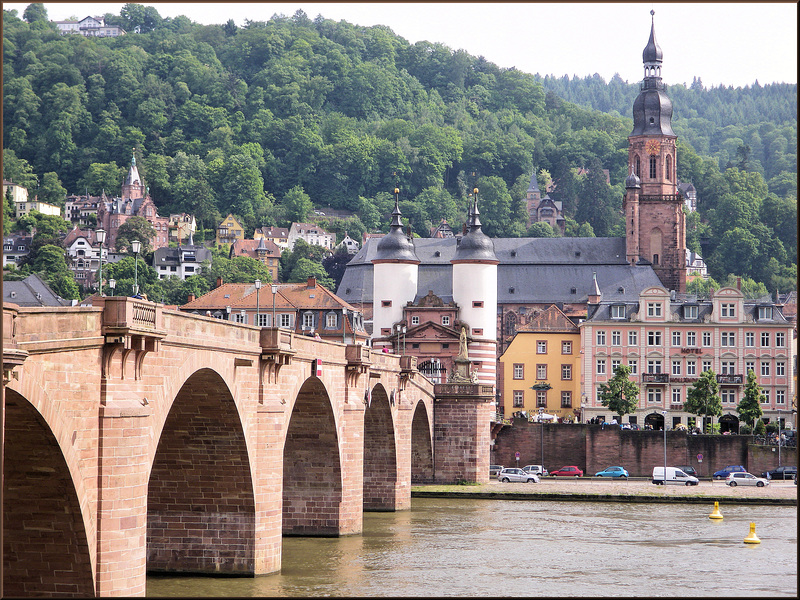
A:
{"x": 488, "y": 548}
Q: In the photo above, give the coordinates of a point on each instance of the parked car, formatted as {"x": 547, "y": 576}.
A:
{"x": 568, "y": 471}
{"x": 514, "y": 474}
{"x": 688, "y": 469}
{"x": 723, "y": 473}
{"x": 538, "y": 469}
{"x": 494, "y": 470}
{"x": 675, "y": 476}
{"x": 612, "y": 472}
{"x": 735, "y": 479}
{"x": 780, "y": 473}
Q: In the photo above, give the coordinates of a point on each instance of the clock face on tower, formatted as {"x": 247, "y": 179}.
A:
{"x": 652, "y": 146}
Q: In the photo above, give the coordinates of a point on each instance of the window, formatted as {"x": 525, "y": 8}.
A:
{"x": 566, "y": 372}
{"x": 386, "y": 303}
{"x": 519, "y": 398}
{"x": 691, "y": 338}
{"x": 706, "y": 365}
{"x": 541, "y": 371}
{"x": 638, "y": 166}
{"x": 519, "y": 371}
{"x": 541, "y": 398}
{"x": 764, "y": 368}
{"x": 445, "y": 320}
{"x": 690, "y": 312}
{"x": 728, "y": 338}
{"x": 706, "y": 338}
{"x": 676, "y": 367}
{"x": 262, "y": 320}
{"x": 676, "y": 396}
{"x": 749, "y": 365}
{"x": 691, "y": 367}
{"x": 654, "y": 395}
{"x": 566, "y": 399}
{"x": 728, "y": 395}
{"x": 654, "y": 309}
{"x": 415, "y": 320}
{"x": 780, "y": 396}
{"x": 601, "y": 367}
{"x": 764, "y": 396}
{"x": 566, "y": 347}
{"x": 541, "y": 347}
{"x": 654, "y": 366}
{"x": 764, "y": 312}
{"x": 617, "y": 311}
{"x": 633, "y": 365}
{"x": 330, "y": 320}
{"x": 633, "y": 338}
{"x": 765, "y": 339}
{"x": 285, "y": 320}
{"x": 308, "y": 319}
{"x": 653, "y": 338}
{"x": 749, "y": 339}
{"x": 601, "y": 338}
{"x": 239, "y": 318}
{"x": 676, "y": 338}
{"x": 728, "y": 366}
{"x": 668, "y": 168}
{"x": 477, "y": 304}
{"x": 780, "y": 339}
{"x": 728, "y": 310}
{"x": 780, "y": 369}
{"x": 616, "y": 338}
{"x": 652, "y": 167}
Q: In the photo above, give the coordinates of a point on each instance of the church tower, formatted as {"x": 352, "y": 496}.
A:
{"x": 654, "y": 220}
{"x": 133, "y": 187}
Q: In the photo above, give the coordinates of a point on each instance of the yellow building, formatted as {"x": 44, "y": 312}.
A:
{"x": 229, "y": 231}
{"x": 541, "y": 367}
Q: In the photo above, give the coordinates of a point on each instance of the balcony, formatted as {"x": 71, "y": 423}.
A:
{"x": 655, "y": 377}
{"x": 730, "y": 379}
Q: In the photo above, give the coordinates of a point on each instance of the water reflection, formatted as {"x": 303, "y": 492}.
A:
{"x": 445, "y": 547}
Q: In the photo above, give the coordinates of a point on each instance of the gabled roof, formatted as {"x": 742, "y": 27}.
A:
{"x": 250, "y": 247}
{"x": 32, "y": 291}
{"x": 550, "y": 320}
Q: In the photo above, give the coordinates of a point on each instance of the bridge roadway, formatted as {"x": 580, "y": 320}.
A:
{"x": 141, "y": 439}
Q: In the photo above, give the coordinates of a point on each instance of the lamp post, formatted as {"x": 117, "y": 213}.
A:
{"x": 228, "y": 313}
{"x": 136, "y": 246}
{"x": 112, "y": 283}
{"x": 274, "y": 293}
{"x": 258, "y": 307}
{"x": 779, "y": 437}
{"x": 663, "y": 412}
{"x": 101, "y": 238}
{"x": 344, "y": 323}
{"x": 541, "y": 425}
{"x": 403, "y": 331}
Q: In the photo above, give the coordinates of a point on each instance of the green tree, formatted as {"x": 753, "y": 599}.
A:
{"x": 703, "y": 398}
{"x": 35, "y": 12}
{"x": 749, "y": 407}
{"x": 297, "y": 204}
{"x": 305, "y": 268}
{"x": 620, "y": 394}
{"x": 51, "y": 190}
{"x": 51, "y": 264}
{"x": 135, "y": 228}
{"x": 102, "y": 177}
{"x": 541, "y": 230}
{"x": 19, "y": 171}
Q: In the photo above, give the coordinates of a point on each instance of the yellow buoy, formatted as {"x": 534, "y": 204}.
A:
{"x": 752, "y": 538}
{"x": 715, "y": 514}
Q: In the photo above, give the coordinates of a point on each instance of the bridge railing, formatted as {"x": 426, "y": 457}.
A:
{"x": 275, "y": 339}
{"x": 120, "y": 312}
{"x": 456, "y": 390}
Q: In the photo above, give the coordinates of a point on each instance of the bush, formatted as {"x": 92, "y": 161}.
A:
{"x": 745, "y": 429}
{"x": 760, "y": 428}
{"x": 772, "y": 428}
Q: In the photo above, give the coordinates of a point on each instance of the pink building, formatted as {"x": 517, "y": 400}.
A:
{"x": 668, "y": 341}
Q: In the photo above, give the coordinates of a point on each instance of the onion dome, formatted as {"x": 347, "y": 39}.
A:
{"x": 475, "y": 246}
{"x": 632, "y": 181}
{"x": 652, "y": 110}
{"x": 395, "y": 245}
{"x": 652, "y": 52}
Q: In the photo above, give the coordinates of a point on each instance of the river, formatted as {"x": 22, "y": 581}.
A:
{"x": 487, "y": 548}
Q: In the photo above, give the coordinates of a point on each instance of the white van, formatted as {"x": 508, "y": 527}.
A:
{"x": 674, "y": 477}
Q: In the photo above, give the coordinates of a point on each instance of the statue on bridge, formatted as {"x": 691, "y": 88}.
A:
{"x": 462, "y": 371}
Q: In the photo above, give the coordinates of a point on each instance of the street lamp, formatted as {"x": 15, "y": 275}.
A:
{"x": 136, "y": 246}
{"x": 258, "y": 311}
{"x": 344, "y": 323}
{"x": 779, "y": 437}
{"x": 228, "y": 313}
{"x": 274, "y": 293}
{"x": 101, "y": 238}
{"x": 541, "y": 425}
{"x": 112, "y": 283}
{"x": 663, "y": 412}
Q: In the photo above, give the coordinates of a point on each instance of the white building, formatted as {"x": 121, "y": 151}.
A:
{"x": 311, "y": 234}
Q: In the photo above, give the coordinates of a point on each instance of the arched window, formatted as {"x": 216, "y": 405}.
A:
{"x": 652, "y": 166}
{"x": 511, "y": 323}
{"x": 668, "y": 170}
{"x": 637, "y": 166}
{"x": 655, "y": 259}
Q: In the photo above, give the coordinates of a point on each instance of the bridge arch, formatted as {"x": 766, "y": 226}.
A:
{"x": 422, "y": 470}
{"x": 44, "y": 530}
{"x": 380, "y": 453}
{"x": 200, "y": 497}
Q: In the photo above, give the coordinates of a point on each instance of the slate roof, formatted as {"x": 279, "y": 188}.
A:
{"x": 32, "y": 291}
{"x": 541, "y": 270}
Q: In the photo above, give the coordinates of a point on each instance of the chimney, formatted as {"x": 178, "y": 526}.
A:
{"x": 312, "y": 283}
{"x": 219, "y": 282}
{"x": 739, "y": 283}
{"x": 595, "y": 295}
{"x": 190, "y": 298}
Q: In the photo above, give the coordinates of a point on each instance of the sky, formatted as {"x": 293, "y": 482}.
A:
{"x": 731, "y": 44}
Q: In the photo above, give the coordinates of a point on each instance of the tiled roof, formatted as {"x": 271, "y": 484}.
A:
{"x": 292, "y": 296}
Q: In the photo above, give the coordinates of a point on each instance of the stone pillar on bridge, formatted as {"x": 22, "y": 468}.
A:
{"x": 268, "y": 491}
{"x": 461, "y": 428}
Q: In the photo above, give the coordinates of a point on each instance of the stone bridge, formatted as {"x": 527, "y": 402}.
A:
{"x": 140, "y": 439}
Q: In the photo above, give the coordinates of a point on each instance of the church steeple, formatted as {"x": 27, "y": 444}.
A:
{"x": 652, "y": 110}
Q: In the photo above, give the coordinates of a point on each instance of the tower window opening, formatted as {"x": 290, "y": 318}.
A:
{"x": 652, "y": 166}
{"x": 668, "y": 170}
{"x": 655, "y": 259}
{"x": 637, "y": 167}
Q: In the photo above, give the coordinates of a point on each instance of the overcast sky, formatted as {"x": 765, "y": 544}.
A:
{"x": 729, "y": 44}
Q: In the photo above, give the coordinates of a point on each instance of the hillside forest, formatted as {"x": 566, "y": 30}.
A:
{"x": 276, "y": 118}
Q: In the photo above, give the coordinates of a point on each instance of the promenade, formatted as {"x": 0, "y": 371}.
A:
{"x": 778, "y": 493}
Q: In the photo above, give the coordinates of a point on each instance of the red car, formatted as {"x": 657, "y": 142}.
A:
{"x": 568, "y": 471}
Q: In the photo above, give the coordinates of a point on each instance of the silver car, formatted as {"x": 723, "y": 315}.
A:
{"x": 513, "y": 474}
{"x": 735, "y": 479}
{"x": 537, "y": 469}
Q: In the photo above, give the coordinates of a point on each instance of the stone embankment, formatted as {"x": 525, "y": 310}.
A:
{"x": 780, "y": 493}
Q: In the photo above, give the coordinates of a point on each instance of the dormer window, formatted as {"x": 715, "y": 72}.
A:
{"x": 690, "y": 312}
{"x": 728, "y": 310}
{"x": 764, "y": 313}
{"x": 617, "y": 311}
{"x": 654, "y": 309}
